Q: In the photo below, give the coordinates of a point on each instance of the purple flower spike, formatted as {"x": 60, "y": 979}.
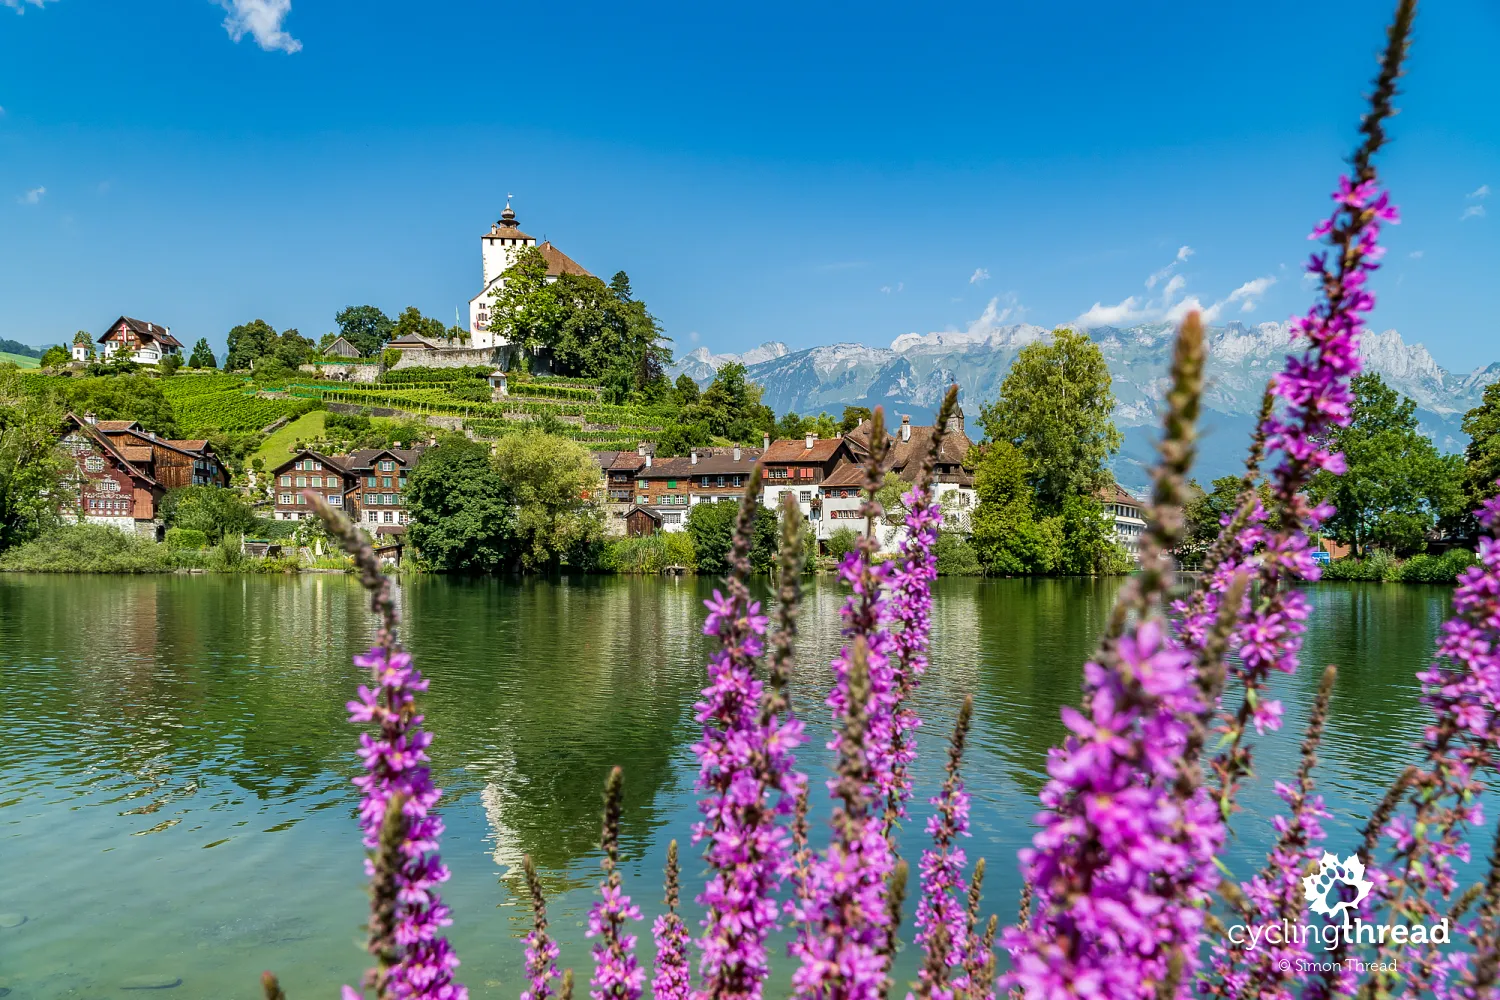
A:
{"x": 617, "y": 974}
{"x": 401, "y": 832}
{"x": 943, "y": 924}
{"x": 672, "y": 980}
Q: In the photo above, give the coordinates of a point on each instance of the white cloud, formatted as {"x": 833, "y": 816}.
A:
{"x": 1416, "y": 254}
{"x": 1123, "y": 314}
{"x": 261, "y": 19}
{"x": 980, "y": 274}
{"x": 1174, "y": 287}
{"x": 1480, "y": 193}
{"x": 1183, "y": 253}
{"x": 32, "y": 197}
{"x": 1472, "y": 212}
{"x": 1250, "y": 293}
{"x": 19, "y": 6}
{"x": 693, "y": 336}
{"x": 898, "y": 286}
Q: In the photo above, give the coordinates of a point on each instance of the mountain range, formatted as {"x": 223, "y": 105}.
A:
{"x": 910, "y": 376}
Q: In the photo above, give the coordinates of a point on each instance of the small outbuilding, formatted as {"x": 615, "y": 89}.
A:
{"x": 641, "y": 521}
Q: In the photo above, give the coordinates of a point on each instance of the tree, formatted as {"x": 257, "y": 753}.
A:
{"x": 462, "y": 517}
{"x": 1482, "y": 457}
{"x": 790, "y": 426}
{"x": 1396, "y": 486}
{"x": 552, "y": 482}
{"x": 1055, "y": 405}
{"x": 122, "y": 397}
{"x": 686, "y": 390}
{"x": 214, "y": 510}
{"x": 711, "y": 527}
{"x": 1006, "y": 536}
{"x": 679, "y": 438}
{"x": 732, "y": 408}
{"x": 366, "y": 327}
{"x": 1205, "y": 512}
{"x": 202, "y": 356}
{"x": 523, "y": 304}
{"x": 1088, "y": 545}
{"x": 247, "y": 342}
{"x": 170, "y": 364}
{"x": 55, "y": 356}
{"x": 32, "y": 466}
{"x": 411, "y": 322}
{"x": 853, "y": 417}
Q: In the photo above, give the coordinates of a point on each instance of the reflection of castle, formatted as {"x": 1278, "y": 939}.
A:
{"x": 499, "y": 248}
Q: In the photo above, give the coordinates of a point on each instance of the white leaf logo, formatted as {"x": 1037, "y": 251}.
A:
{"x": 1331, "y": 872}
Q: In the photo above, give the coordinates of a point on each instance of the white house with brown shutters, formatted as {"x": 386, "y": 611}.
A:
{"x": 147, "y": 343}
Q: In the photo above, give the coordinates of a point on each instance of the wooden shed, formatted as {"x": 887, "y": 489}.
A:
{"x": 641, "y": 521}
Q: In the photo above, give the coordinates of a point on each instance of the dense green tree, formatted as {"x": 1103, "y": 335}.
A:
{"x": 551, "y": 481}
{"x": 1396, "y": 486}
{"x": 1007, "y": 538}
{"x": 732, "y": 408}
{"x": 1056, "y": 406}
{"x": 790, "y": 426}
{"x": 1482, "y": 457}
{"x": 842, "y": 541}
{"x": 711, "y": 527}
{"x": 202, "y": 356}
{"x": 8, "y": 346}
{"x": 366, "y": 327}
{"x": 853, "y": 417}
{"x": 956, "y": 555}
{"x": 32, "y": 467}
{"x": 686, "y": 390}
{"x": 170, "y": 364}
{"x": 679, "y": 438}
{"x": 55, "y": 356}
{"x": 524, "y": 307}
{"x": 214, "y": 510}
{"x": 1205, "y": 512}
{"x": 247, "y": 342}
{"x": 463, "y": 518}
{"x": 122, "y": 397}
{"x": 1088, "y": 546}
{"x": 412, "y": 323}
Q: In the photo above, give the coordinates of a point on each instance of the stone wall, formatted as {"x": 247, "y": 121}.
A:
{"x": 368, "y": 372}
{"x": 454, "y": 357}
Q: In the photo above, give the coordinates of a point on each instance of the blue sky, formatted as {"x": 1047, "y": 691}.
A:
{"x": 807, "y": 173}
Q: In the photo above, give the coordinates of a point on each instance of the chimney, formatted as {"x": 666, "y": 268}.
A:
{"x": 810, "y": 439}
{"x": 765, "y": 441}
{"x": 694, "y": 456}
{"x": 648, "y": 461}
{"x": 90, "y": 419}
{"x": 640, "y": 449}
{"x": 736, "y": 453}
{"x": 905, "y": 428}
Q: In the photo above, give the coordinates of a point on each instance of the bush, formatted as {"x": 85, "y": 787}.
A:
{"x": 186, "y": 538}
{"x": 88, "y": 548}
{"x": 842, "y": 542}
{"x": 1379, "y": 565}
{"x": 955, "y": 556}
{"x": 648, "y": 554}
{"x": 1436, "y": 569}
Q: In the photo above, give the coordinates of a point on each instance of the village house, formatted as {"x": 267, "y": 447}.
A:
{"x": 172, "y": 462}
{"x": 382, "y": 474}
{"x": 146, "y": 343}
{"x": 1124, "y": 514}
{"x": 839, "y": 500}
{"x": 953, "y": 483}
{"x": 106, "y": 487}
{"x": 800, "y": 466}
{"x": 311, "y": 470}
{"x": 667, "y": 488}
{"x": 340, "y": 348}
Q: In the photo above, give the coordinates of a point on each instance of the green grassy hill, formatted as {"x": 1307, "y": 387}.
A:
{"x": 19, "y": 359}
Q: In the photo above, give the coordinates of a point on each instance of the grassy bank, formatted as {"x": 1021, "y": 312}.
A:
{"x": 93, "y": 548}
{"x": 1382, "y": 567}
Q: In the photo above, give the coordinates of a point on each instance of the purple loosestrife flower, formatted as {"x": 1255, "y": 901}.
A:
{"x": 541, "y": 950}
{"x": 745, "y": 771}
{"x": 617, "y": 974}
{"x": 945, "y": 928}
{"x": 911, "y": 583}
{"x": 396, "y": 812}
{"x": 672, "y": 979}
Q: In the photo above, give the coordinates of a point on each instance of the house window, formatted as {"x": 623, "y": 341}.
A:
{"x": 286, "y": 480}
{"x": 301, "y": 480}
{"x": 387, "y": 465}
{"x": 739, "y": 480}
{"x": 704, "y": 482}
{"x": 385, "y": 481}
{"x": 317, "y": 480}
{"x": 335, "y": 500}
{"x": 372, "y": 516}
{"x": 401, "y": 482}
{"x": 671, "y": 484}
{"x": 301, "y": 500}
{"x": 805, "y": 496}
{"x": 805, "y": 473}
{"x": 285, "y": 498}
{"x": 390, "y": 516}
{"x": 370, "y": 481}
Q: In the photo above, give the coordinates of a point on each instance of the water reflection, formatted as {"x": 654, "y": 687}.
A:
{"x": 174, "y": 790}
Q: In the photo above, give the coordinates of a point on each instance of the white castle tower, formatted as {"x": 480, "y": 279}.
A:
{"x": 499, "y": 248}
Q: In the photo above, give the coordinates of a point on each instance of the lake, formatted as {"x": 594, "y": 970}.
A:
{"x": 174, "y": 777}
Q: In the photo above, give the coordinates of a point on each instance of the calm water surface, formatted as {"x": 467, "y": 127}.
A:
{"x": 174, "y": 772}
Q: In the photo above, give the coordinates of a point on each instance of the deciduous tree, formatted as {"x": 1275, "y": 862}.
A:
{"x": 202, "y": 356}
{"x": 463, "y": 519}
{"x": 366, "y": 327}
{"x": 552, "y": 483}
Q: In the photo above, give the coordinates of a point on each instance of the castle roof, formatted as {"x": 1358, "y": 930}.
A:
{"x": 560, "y": 263}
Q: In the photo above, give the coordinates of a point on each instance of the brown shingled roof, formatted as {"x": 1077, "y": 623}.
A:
{"x": 144, "y": 329}
{"x": 116, "y": 425}
{"x": 796, "y": 450}
{"x": 847, "y": 475}
{"x": 136, "y": 453}
{"x": 560, "y": 263}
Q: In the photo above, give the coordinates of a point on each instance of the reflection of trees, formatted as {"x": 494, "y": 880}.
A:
{"x": 545, "y": 687}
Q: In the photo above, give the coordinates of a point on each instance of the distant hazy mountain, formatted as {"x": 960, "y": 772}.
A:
{"x": 911, "y": 375}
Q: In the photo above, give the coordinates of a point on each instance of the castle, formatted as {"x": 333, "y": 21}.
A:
{"x": 499, "y": 248}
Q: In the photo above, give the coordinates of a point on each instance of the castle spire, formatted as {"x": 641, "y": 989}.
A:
{"x": 508, "y": 217}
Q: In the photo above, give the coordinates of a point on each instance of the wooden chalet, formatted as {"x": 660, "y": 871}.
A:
{"x": 107, "y": 487}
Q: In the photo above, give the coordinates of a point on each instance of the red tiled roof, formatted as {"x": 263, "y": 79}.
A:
{"x": 1114, "y": 493}
{"x": 136, "y": 453}
{"x": 116, "y": 425}
{"x": 192, "y": 444}
{"x": 560, "y": 263}
{"x": 848, "y": 474}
